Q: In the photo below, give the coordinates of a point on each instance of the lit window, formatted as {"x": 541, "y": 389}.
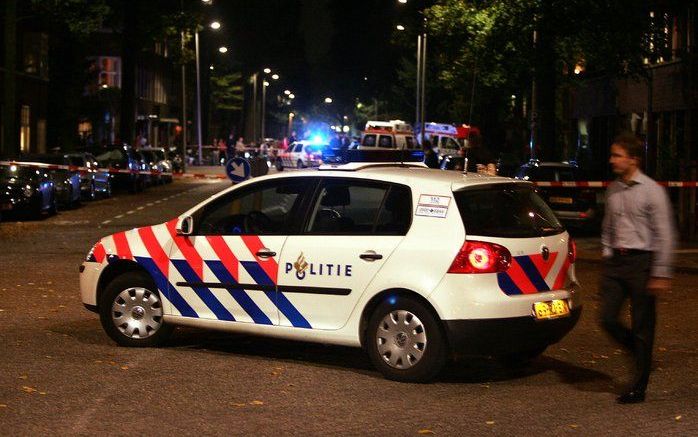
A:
{"x": 25, "y": 128}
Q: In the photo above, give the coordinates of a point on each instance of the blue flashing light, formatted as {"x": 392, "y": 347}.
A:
{"x": 318, "y": 139}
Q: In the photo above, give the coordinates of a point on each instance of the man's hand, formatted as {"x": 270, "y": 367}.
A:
{"x": 658, "y": 285}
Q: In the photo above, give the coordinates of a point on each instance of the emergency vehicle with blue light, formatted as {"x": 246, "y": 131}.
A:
{"x": 301, "y": 154}
{"x": 412, "y": 264}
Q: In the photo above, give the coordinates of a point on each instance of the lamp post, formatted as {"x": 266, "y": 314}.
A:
{"x": 420, "y": 95}
{"x": 215, "y": 25}
{"x": 265, "y": 84}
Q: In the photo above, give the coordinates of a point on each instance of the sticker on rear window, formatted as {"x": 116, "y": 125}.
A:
{"x": 433, "y": 200}
{"x": 432, "y": 211}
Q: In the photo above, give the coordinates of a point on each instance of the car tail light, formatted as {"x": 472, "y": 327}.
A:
{"x": 481, "y": 257}
{"x": 572, "y": 251}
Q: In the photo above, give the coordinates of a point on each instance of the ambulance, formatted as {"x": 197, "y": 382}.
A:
{"x": 393, "y": 134}
{"x": 442, "y": 136}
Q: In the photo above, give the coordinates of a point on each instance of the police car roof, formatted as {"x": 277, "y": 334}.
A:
{"x": 416, "y": 174}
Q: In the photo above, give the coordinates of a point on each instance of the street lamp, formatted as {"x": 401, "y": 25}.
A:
{"x": 287, "y": 92}
{"x": 328, "y": 100}
{"x": 265, "y": 84}
{"x": 215, "y": 25}
{"x": 400, "y": 27}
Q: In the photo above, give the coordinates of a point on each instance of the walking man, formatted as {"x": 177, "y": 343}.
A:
{"x": 638, "y": 241}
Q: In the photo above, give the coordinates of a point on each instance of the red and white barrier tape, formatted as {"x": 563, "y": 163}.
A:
{"x": 565, "y": 184}
{"x": 82, "y": 169}
{"x": 602, "y": 184}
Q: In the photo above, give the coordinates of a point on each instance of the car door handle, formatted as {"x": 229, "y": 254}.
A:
{"x": 265, "y": 253}
{"x": 370, "y": 255}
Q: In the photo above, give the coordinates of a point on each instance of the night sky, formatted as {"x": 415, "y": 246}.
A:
{"x": 319, "y": 47}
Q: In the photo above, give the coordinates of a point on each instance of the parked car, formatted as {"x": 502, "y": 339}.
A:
{"x": 66, "y": 182}
{"x": 126, "y": 165}
{"x": 575, "y": 206}
{"x": 26, "y": 190}
{"x": 95, "y": 180}
{"x": 149, "y": 169}
{"x": 301, "y": 154}
{"x": 158, "y": 156}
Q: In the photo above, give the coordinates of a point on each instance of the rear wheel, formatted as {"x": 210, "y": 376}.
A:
{"x": 300, "y": 164}
{"x": 405, "y": 342}
{"x": 279, "y": 164}
{"x": 53, "y": 208}
{"x": 131, "y": 311}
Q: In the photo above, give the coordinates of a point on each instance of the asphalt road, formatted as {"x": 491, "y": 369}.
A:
{"x": 60, "y": 374}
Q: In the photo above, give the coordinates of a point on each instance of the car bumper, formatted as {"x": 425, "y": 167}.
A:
{"x": 89, "y": 277}
{"x": 507, "y": 335}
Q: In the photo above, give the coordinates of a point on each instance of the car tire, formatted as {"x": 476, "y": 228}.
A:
{"x": 53, "y": 209}
{"x": 131, "y": 311}
{"x": 300, "y": 164}
{"x": 93, "y": 192}
{"x": 521, "y": 359}
{"x": 279, "y": 165}
{"x": 404, "y": 341}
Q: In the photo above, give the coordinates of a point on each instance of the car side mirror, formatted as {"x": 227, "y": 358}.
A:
{"x": 185, "y": 225}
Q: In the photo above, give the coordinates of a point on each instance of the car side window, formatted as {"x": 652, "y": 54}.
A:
{"x": 386, "y": 141}
{"x": 355, "y": 207}
{"x": 298, "y": 148}
{"x": 369, "y": 141}
{"x": 267, "y": 208}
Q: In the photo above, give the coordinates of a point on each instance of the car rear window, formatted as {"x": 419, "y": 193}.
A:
{"x": 506, "y": 210}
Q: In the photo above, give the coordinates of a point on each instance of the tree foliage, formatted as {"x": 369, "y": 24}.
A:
{"x": 227, "y": 92}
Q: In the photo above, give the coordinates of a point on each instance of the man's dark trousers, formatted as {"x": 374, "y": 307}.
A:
{"x": 625, "y": 275}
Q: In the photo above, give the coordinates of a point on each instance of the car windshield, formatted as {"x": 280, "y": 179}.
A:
{"x": 108, "y": 156}
{"x": 506, "y": 210}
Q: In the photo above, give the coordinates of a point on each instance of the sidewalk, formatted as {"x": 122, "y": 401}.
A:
{"x": 685, "y": 255}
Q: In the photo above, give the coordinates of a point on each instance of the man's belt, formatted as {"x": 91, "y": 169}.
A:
{"x": 625, "y": 252}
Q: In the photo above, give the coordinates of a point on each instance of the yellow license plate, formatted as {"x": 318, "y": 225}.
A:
{"x": 551, "y": 309}
{"x": 566, "y": 200}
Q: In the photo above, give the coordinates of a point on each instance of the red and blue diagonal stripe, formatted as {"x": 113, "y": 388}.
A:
{"x": 527, "y": 273}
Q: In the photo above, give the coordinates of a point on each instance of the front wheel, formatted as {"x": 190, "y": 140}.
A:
{"x": 131, "y": 311}
{"x": 405, "y": 342}
{"x": 279, "y": 165}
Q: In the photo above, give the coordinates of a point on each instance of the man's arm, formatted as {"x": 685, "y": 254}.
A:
{"x": 606, "y": 249}
{"x": 663, "y": 234}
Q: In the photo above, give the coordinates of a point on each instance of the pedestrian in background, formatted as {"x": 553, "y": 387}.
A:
{"x": 431, "y": 159}
{"x": 637, "y": 237}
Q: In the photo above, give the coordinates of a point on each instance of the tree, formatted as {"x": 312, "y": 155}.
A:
{"x": 492, "y": 41}
{"x": 226, "y": 101}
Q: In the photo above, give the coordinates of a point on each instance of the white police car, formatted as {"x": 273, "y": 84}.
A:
{"x": 410, "y": 263}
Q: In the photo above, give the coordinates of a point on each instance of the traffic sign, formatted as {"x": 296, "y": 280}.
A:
{"x": 238, "y": 169}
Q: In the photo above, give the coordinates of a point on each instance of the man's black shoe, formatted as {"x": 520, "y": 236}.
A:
{"x": 631, "y": 397}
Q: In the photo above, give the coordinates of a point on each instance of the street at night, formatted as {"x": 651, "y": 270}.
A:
{"x": 348, "y": 217}
{"x": 60, "y": 373}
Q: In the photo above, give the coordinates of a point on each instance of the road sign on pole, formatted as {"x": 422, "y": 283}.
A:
{"x": 238, "y": 169}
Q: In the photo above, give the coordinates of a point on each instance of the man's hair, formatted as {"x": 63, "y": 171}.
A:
{"x": 631, "y": 144}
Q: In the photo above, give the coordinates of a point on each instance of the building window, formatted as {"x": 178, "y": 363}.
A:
{"x": 35, "y": 54}
{"x": 109, "y": 72}
{"x": 25, "y": 129}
